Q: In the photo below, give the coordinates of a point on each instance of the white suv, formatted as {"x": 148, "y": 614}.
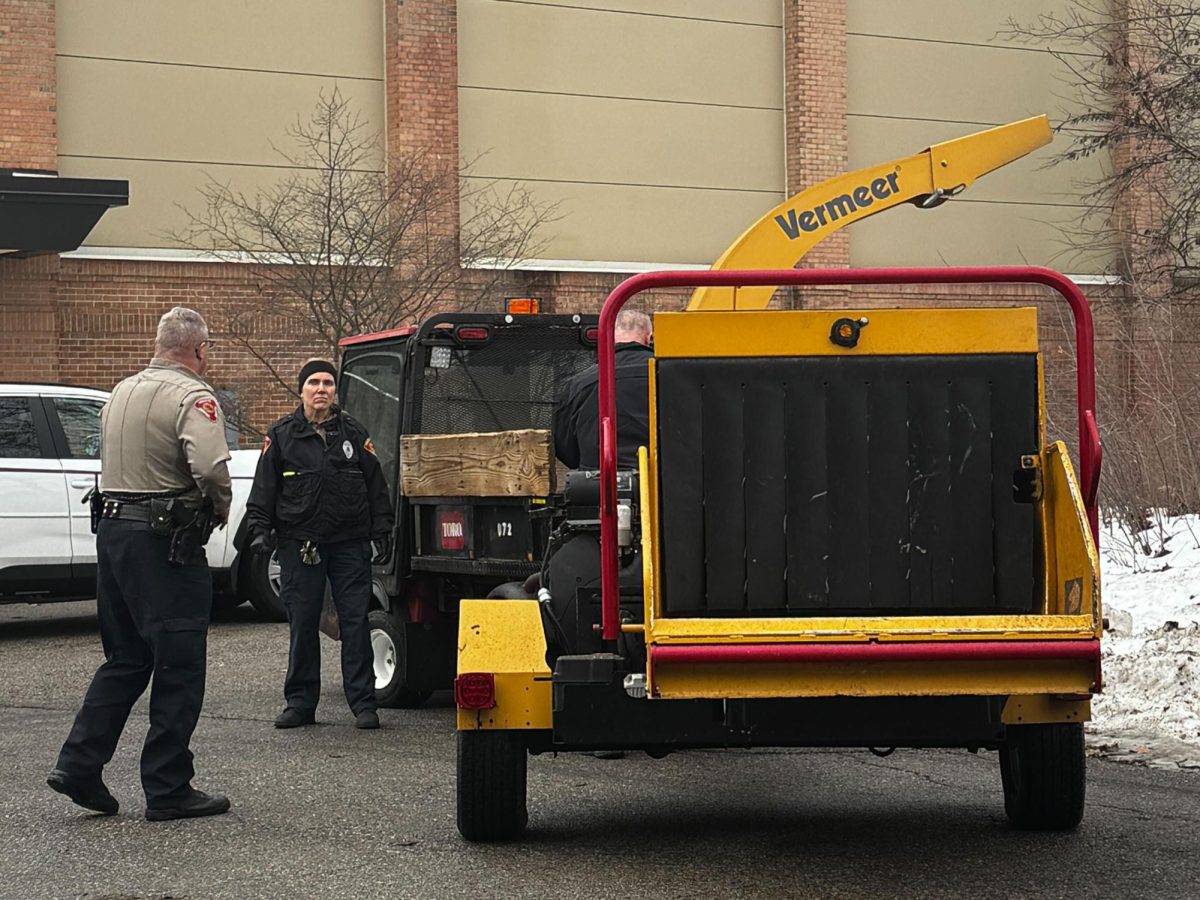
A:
{"x": 49, "y": 459}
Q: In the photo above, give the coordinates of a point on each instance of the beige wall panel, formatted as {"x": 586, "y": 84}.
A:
{"x": 963, "y": 233}
{"x": 149, "y": 111}
{"x": 947, "y": 82}
{"x": 957, "y": 21}
{"x": 155, "y": 189}
{"x": 1030, "y": 179}
{"x": 760, "y": 12}
{"x": 550, "y": 49}
{"x": 316, "y": 36}
{"x": 591, "y": 139}
{"x": 647, "y": 224}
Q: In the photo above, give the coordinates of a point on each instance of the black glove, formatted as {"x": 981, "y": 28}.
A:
{"x": 262, "y": 541}
{"x": 383, "y": 548}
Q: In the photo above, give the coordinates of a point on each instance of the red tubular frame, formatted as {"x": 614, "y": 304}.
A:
{"x": 1089, "y": 435}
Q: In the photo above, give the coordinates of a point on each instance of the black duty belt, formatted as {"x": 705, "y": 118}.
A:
{"x": 135, "y": 511}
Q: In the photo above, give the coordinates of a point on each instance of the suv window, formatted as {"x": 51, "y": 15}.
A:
{"x": 80, "y": 420}
{"x": 18, "y": 437}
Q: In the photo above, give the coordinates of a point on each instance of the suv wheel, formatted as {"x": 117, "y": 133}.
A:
{"x": 260, "y": 582}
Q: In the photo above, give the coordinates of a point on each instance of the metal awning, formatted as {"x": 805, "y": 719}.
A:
{"x": 42, "y": 213}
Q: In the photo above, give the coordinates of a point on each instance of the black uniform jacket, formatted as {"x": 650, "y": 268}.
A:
{"x": 307, "y": 488}
{"x": 576, "y": 413}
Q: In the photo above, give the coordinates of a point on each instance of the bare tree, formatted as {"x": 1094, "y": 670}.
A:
{"x": 341, "y": 246}
{"x": 1133, "y": 82}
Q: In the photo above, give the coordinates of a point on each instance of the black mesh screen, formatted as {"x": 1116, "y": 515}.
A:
{"x": 508, "y": 383}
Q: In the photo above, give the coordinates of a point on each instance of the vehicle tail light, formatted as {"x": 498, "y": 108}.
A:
{"x": 591, "y": 334}
{"x": 523, "y": 306}
{"x": 451, "y": 531}
{"x": 472, "y": 334}
{"x": 475, "y": 690}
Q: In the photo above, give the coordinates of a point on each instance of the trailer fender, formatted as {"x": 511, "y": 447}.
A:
{"x": 504, "y": 639}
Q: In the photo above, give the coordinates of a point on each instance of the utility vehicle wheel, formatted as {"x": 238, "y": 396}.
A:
{"x": 388, "y": 647}
{"x": 510, "y": 590}
{"x": 260, "y": 583}
{"x": 491, "y": 785}
{"x": 1042, "y": 768}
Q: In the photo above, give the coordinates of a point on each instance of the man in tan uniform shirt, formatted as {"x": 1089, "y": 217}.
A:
{"x": 163, "y": 484}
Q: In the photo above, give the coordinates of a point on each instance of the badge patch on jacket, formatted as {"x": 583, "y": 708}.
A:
{"x": 348, "y": 449}
{"x": 208, "y": 406}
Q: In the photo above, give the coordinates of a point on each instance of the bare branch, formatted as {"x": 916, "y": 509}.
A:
{"x": 348, "y": 242}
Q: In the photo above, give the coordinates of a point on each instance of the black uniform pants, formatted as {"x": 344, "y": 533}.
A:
{"x": 153, "y": 624}
{"x": 347, "y": 566}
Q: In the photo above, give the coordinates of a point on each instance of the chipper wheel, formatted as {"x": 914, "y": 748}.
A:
{"x": 491, "y": 785}
{"x": 1042, "y": 770}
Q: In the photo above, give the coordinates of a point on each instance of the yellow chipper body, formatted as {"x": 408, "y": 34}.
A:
{"x": 848, "y": 529}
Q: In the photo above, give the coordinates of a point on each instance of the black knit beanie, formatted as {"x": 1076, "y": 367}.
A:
{"x": 313, "y": 366}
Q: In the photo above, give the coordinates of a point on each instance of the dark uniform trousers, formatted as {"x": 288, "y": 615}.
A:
{"x": 153, "y": 623}
{"x": 347, "y": 566}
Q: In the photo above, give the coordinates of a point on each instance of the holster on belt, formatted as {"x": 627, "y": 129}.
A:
{"x": 188, "y": 526}
{"x": 95, "y": 501}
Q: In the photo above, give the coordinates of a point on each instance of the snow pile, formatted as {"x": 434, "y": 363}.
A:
{"x": 1150, "y": 707}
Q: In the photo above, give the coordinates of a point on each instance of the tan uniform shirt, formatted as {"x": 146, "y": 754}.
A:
{"x": 162, "y": 430}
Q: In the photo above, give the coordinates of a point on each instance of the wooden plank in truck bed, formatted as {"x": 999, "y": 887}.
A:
{"x": 479, "y": 464}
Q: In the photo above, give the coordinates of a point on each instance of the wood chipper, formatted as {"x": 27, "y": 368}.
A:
{"x": 848, "y": 530}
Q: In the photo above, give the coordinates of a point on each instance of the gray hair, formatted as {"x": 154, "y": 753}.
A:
{"x": 633, "y": 325}
{"x": 180, "y": 330}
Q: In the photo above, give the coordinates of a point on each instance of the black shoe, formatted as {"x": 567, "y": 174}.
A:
{"x": 294, "y": 718}
{"x": 90, "y": 793}
{"x": 193, "y": 806}
{"x": 368, "y": 718}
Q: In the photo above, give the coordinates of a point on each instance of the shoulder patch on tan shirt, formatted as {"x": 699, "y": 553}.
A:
{"x": 208, "y": 406}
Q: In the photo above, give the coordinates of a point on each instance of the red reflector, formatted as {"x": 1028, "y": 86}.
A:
{"x": 452, "y": 534}
{"x": 475, "y": 690}
{"x": 472, "y": 333}
{"x": 591, "y": 335}
{"x": 523, "y": 306}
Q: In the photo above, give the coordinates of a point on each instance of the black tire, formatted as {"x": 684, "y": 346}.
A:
{"x": 1043, "y": 770}
{"x": 260, "y": 585}
{"x": 510, "y": 590}
{"x": 492, "y": 767}
{"x": 389, "y": 646}
{"x": 225, "y": 602}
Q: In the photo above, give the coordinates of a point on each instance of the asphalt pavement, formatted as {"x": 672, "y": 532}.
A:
{"x": 329, "y": 811}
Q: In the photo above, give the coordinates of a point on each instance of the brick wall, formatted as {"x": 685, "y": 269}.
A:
{"x": 29, "y": 323}
{"x": 28, "y": 112}
{"x": 814, "y": 63}
{"x": 92, "y": 322}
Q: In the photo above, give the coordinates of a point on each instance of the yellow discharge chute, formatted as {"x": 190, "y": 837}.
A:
{"x": 780, "y": 238}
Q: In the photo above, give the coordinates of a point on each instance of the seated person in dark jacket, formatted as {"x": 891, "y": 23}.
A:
{"x": 319, "y": 491}
{"x": 576, "y": 412}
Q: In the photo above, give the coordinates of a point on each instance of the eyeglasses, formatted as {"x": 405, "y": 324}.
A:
{"x": 207, "y": 343}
